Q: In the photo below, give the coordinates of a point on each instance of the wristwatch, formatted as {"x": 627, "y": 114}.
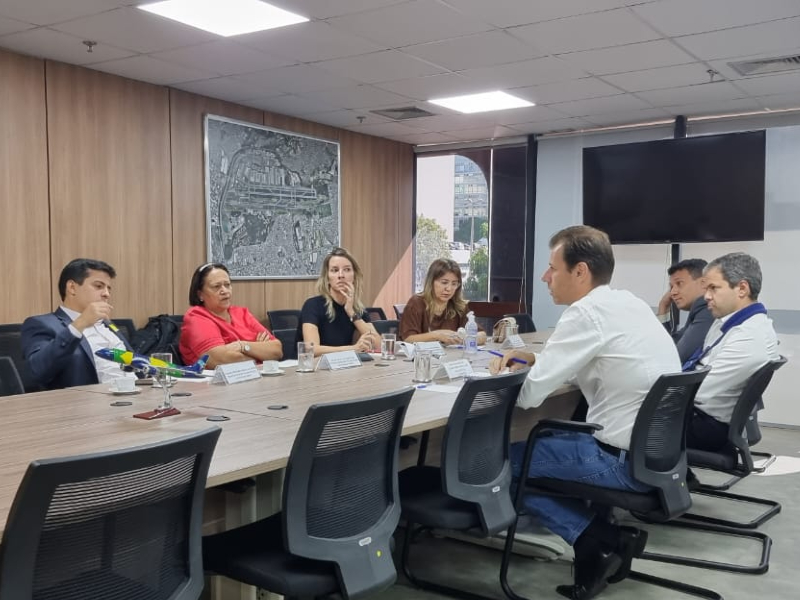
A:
{"x": 245, "y": 348}
{"x": 355, "y": 317}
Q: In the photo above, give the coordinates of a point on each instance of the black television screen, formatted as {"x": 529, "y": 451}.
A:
{"x": 697, "y": 189}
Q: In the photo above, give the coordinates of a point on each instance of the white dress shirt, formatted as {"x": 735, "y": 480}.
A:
{"x": 99, "y": 336}
{"x": 615, "y": 348}
{"x": 744, "y": 349}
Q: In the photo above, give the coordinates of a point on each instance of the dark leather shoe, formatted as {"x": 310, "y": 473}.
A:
{"x": 591, "y": 575}
{"x": 631, "y": 545}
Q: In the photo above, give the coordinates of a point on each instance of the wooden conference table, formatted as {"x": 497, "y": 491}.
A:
{"x": 255, "y": 442}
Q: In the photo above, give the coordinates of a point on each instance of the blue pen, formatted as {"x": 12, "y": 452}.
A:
{"x": 500, "y": 354}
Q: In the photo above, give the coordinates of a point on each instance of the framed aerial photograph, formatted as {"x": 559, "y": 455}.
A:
{"x": 273, "y": 209}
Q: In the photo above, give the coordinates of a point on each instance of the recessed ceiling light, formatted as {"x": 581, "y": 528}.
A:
{"x": 225, "y": 17}
{"x": 474, "y": 103}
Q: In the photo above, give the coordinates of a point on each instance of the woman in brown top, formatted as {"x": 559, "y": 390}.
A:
{"x": 436, "y": 313}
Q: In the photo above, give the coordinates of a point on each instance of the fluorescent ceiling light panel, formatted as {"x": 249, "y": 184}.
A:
{"x": 225, "y": 17}
{"x": 475, "y": 103}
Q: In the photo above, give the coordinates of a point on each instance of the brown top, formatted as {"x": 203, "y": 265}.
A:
{"x": 416, "y": 320}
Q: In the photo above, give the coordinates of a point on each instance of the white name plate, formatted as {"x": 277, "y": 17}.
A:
{"x": 513, "y": 341}
{"x": 404, "y": 349}
{"x": 434, "y": 348}
{"x": 454, "y": 369}
{"x": 236, "y": 372}
{"x": 335, "y": 361}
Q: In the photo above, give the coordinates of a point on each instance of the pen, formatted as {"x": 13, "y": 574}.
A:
{"x": 516, "y": 360}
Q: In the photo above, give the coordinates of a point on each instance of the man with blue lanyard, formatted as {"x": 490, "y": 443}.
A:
{"x": 738, "y": 343}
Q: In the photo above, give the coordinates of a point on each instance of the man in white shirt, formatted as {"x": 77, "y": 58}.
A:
{"x": 614, "y": 348}
{"x": 740, "y": 341}
{"x": 60, "y": 346}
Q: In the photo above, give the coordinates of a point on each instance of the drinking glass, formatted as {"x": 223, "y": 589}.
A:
{"x": 511, "y": 330}
{"x": 422, "y": 366}
{"x": 163, "y": 379}
{"x": 305, "y": 357}
{"x": 387, "y": 346}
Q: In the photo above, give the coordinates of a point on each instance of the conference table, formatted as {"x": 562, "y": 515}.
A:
{"x": 256, "y": 440}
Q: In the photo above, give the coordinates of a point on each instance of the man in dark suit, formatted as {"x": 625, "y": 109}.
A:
{"x": 60, "y": 346}
{"x": 686, "y": 291}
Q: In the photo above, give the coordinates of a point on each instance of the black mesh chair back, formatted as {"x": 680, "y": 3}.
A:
{"x": 398, "y": 310}
{"x": 126, "y": 328}
{"x": 387, "y": 326}
{"x": 375, "y": 313}
{"x": 10, "y": 383}
{"x": 340, "y": 493}
{"x": 475, "y": 463}
{"x": 658, "y": 441}
{"x": 288, "y": 338}
{"x": 124, "y": 524}
{"x": 11, "y": 346}
{"x": 283, "y": 319}
{"x": 524, "y": 322}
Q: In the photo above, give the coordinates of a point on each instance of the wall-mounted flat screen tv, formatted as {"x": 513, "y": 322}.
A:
{"x": 696, "y": 189}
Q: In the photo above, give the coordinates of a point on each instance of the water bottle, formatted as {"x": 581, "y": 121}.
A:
{"x": 471, "y": 339}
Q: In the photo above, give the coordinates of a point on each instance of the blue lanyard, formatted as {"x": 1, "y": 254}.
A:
{"x": 736, "y": 318}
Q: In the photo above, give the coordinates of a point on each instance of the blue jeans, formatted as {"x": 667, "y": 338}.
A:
{"x": 572, "y": 457}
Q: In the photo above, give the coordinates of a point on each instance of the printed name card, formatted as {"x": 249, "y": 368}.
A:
{"x": 434, "y": 348}
{"x": 404, "y": 349}
{"x": 454, "y": 369}
{"x": 339, "y": 360}
{"x": 236, "y": 372}
{"x": 513, "y": 341}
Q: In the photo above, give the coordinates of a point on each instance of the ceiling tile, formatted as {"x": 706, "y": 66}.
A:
{"x": 12, "y": 26}
{"x": 384, "y": 129}
{"x": 360, "y": 96}
{"x": 46, "y": 43}
{"x": 152, "y": 70}
{"x": 633, "y": 57}
{"x": 599, "y": 106}
{"x": 135, "y": 29}
{"x": 778, "y": 36}
{"x": 47, "y": 12}
{"x": 409, "y": 23}
{"x": 586, "y": 32}
{"x": 527, "y": 114}
{"x": 636, "y": 116}
{"x": 298, "y": 79}
{"x": 323, "y": 9}
{"x": 683, "y": 17}
{"x": 540, "y": 127}
{"x": 508, "y": 13}
{"x": 378, "y": 67}
{"x": 433, "y": 86}
{"x": 524, "y": 73}
{"x": 451, "y": 121}
{"x": 421, "y": 139}
{"x": 472, "y": 51}
{"x": 290, "y": 104}
{"x": 226, "y": 88}
{"x": 664, "y": 77}
{"x": 714, "y": 108}
{"x": 309, "y": 42}
{"x": 768, "y": 85}
{"x": 779, "y": 101}
{"x": 346, "y": 118}
{"x": 693, "y": 94}
{"x": 222, "y": 57}
{"x": 564, "y": 91}
{"x": 483, "y": 133}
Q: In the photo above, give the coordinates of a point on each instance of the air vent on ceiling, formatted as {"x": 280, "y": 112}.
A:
{"x": 767, "y": 65}
{"x": 403, "y": 113}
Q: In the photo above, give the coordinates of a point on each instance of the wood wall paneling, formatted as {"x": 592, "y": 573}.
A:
{"x": 25, "y": 226}
{"x": 110, "y": 196}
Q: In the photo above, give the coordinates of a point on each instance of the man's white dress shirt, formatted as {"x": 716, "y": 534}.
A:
{"x": 99, "y": 336}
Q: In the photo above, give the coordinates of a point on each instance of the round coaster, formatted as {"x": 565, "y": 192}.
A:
{"x": 278, "y": 407}
{"x": 377, "y": 364}
{"x": 217, "y": 418}
{"x": 121, "y": 403}
{"x": 181, "y": 394}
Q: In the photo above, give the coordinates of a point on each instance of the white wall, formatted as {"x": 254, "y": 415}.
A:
{"x": 642, "y": 268}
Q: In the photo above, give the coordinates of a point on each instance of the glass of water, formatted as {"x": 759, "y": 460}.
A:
{"x": 305, "y": 357}
{"x": 387, "y": 346}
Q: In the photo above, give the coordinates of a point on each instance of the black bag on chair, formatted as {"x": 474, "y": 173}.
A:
{"x": 161, "y": 334}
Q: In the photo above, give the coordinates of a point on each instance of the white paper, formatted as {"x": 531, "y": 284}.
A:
{"x": 783, "y": 465}
{"x": 442, "y": 389}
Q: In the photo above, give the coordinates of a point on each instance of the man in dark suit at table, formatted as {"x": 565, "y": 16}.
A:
{"x": 60, "y": 346}
{"x": 686, "y": 290}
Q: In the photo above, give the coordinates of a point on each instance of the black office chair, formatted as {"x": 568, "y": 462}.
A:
{"x": 11, "y": 346}
{"x": 524, "y": 322}
{"x": 387, "y": 326}
{"x": 657, "y": 457}
{"x": 471, "y": 490}
{"x": 124, "y": 524}
{"x": 126, "y": 328}
{"x": 340, "y": 508}
{"x": 398, "y": 310}
{"x": 375, "y": 313}
{"x": 283, "y": 319}
{"x": 736, "y": 458}
{"x": 10, "y": 383}
{"x": 288, "y": 338}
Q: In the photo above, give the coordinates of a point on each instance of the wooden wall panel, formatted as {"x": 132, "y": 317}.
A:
{"x": 25, "y": 227}
{"x": 110, "y": 182}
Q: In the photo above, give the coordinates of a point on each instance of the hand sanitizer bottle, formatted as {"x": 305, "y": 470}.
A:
{"x": 471, "y": 339}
